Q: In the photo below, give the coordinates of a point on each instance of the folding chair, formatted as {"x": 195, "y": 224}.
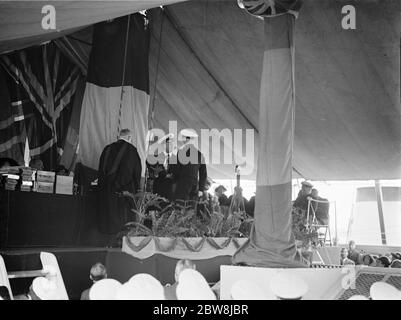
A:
{"x": 50, "y": 270}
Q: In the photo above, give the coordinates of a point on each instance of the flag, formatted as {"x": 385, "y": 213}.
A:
{"x": 271, "y": 242}
{"x": 46, "y": 82}
{"x": 117, "y": 89}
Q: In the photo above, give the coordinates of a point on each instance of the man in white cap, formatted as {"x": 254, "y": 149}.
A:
{"x": 288, "y": 286}
{"x": 193, "y": 286}
{"x": 43, "y": 289}
{"x": 303, "y": 195}
{"x": 141, "y": 286}
{"x": 384, "y": 291}
{"x": 189, "y": 169}
{"x": 119, "y": 173}
{"x": 170, "y": 290}
{"x": 105, "y": 289}
{"x": 247, "y": 290}
{"x": 98, "y": 272}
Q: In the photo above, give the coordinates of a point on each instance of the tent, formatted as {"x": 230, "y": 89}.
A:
{"x": 205, "y": 62}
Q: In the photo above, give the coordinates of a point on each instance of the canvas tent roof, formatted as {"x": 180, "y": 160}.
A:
{"x": 348, "y": 113}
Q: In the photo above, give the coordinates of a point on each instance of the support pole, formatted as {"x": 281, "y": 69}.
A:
{"x": 379, "y": 197}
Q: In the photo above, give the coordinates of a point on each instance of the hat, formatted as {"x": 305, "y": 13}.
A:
{"x": 288, "y": 286}
{"x": 165, "y": 138}
{"x": 358, "y": 297}
{"x": 221, "y": 187}
{"x": 105, "y": 289}
{"x": 44, "y": 289}
{"x": 247, "y": 290}
{"x": 307, "y": 184}
{"x": 141, "y": 286}
{"x": 193, "y": 286}
{"x": 384, "y": 291}
{"x": 188, "y": 133}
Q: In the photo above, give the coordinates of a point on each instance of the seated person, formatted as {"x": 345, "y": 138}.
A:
{"x": 98, "y": 272}
{"x": 4, "y": 294}
{"x": 383, "y": 262}
{"x": 354, "y": 254}
{"x": 219, "y": 192}
{"x": 303, "y": 196}
{"x": 344, "y": 260}
{"x": 368, "y": 260}
{"x": 395, "y": 264}
{"x": 170, "y": 290}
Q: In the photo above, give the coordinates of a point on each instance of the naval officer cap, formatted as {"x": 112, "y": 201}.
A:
{"x": 141, "y": 286}
{"x": 247, "y": 290}
{"x": 105, "y": 289}
{"x": 193, "y": 286}
{"x": 307, "y": 184}
{"x": 188, "y": 133}
{"x": 288, "y": 286}
{"x": 384, "y": 291}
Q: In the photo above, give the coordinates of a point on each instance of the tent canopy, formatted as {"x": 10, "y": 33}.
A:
{"x": 348, "y": 113}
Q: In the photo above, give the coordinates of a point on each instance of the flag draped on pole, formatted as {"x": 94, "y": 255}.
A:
{"x": 271, "y": 242}
{"x": 44, "y": 84}
{"x": 117, "y": 89}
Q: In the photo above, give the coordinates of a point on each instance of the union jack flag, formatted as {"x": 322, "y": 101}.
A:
{"x": 45, "y": 81}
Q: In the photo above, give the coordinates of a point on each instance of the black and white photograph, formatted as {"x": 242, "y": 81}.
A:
{"x": 207, "y": 152}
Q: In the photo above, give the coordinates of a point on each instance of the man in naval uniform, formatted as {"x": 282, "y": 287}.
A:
{"x": 160, "y": 171}
{"x": 188, "y": 168}
{"x": 119, "y": 174}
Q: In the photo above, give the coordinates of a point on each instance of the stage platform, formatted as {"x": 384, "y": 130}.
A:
{"x": 75, "y": 264}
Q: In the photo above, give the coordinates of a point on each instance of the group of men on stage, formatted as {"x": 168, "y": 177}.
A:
{"x": 177, "y": 173}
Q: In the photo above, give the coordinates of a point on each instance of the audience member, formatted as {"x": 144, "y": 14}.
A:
{"x": 383, "y": 262}
{"x": 354, "y": 254}
{"x": 288, "y": 286}
{"x": 368, "y": 260}
{"x": 105, "y": 289}
{"x": 395, "y": 263}
{"x": 97, "y": 272}
{"x": 4, "y": 293}
{"x": 193, "y": 286}
{"x": 219, "y": 192}
{"x": 170, "y": 290}
{"x": 141, "y": 286}
{"x": 383, "y": 291}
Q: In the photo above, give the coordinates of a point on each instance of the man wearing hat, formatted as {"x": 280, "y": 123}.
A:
{"x": 223, "y": 200}
{"x": 119, "y": 173}
{"x": 303, "y": 196}
{"x": 188, "y": 168}
{"x": 160, "y": 171}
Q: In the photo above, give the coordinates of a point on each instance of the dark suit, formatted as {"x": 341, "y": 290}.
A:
{"x": 162, "y": 185}
{"x": 119, "y": 170}
{"x": 190, "y": 176}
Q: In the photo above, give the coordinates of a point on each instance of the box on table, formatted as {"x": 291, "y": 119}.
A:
{"x": 44, "y": 187}
{"x": 45, "y": 176}
{"x": 64, "y": 184}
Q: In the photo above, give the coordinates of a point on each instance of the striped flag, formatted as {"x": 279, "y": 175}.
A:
{"x": 271, "y": 242}
{"x": 117, "y": 89}
{"x": 46, "y": 82}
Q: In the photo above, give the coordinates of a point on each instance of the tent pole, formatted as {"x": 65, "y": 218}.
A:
{"x": 379, "y": 197}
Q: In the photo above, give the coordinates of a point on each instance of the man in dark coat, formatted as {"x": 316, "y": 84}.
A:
{"x": 160, "y": 171}
{"x": 188, "y": 169}
{"x": 119, "y": 174}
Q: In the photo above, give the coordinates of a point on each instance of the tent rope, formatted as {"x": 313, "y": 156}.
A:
{"x": 123, "y": 76}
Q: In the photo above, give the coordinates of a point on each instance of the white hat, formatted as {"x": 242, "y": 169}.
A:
{"x": 188, "y": 133}
{"x": 105, "y": 289}
{"x": 358, "y": 297}
{"x": 142, "y": 286}
{"x": 307, "y": 184}
{"x": 193, "y": 286}
{"x": 247, "y": 290}
{"x": 384, "y": 291}
{"x": 165, "y": 137}
{"x": 286, "y": 285}
{"x": 45, "y": 289}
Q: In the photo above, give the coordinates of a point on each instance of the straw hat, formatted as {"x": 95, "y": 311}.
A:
{"x": 188, "y": 133}
{"x": 105, "y": 289}
{"x": 288, "y": 286}
{"x": 193, "y": 286}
